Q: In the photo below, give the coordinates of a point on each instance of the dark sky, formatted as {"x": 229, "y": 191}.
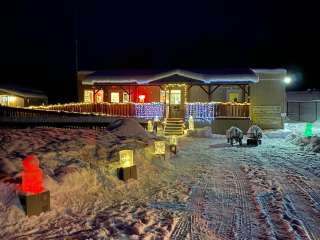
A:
{"x": 38, "y": 38}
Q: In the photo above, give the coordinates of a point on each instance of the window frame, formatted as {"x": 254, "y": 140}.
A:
{"x": 111, "y": 97}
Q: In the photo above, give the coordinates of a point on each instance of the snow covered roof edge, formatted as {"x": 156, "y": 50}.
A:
{"x": 249, "y": 77}
{"x": 22, "y": 93}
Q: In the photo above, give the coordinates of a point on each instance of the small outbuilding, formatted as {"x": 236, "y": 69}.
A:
{"x": 14, "y": 96}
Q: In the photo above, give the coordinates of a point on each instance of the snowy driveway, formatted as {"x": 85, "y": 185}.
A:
{"x": 266, "y": 192}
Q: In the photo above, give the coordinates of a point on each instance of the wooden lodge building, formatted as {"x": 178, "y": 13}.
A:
{"x": 16, "y": 96}
{"x": 221, "y": 98}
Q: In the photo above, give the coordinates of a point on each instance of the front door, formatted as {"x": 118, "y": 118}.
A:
{"x": 176, "y": 102}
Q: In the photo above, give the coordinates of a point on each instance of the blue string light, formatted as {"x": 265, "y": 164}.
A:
{"x": 149, "y": 110}
{"x": 200, "y": 111}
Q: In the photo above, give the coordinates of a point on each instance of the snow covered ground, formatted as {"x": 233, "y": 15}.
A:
{"x": 209, "y": 190}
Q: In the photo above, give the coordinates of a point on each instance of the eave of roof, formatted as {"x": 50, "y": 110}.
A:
{"x": 243, "y": 78}
{"x": 22, "y": 94}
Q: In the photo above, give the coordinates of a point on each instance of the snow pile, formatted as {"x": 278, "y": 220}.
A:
{"x": 307, "y": 143}
{"x": 87, "y": 198}
{"x": 59, "y": 148}
{"x": 128, "y": 127}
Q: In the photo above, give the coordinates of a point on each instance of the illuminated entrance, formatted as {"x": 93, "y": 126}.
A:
{"x": 175, "y": 100}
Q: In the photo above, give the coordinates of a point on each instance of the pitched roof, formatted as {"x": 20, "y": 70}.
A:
{"x": 22, "y": 92}
{"x": 140, "y": 77}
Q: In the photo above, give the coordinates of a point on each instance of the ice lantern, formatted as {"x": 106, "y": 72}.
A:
{"x": 33, "y": 197}
{"x": 173, "y": 140}
{"x": 160, "y": 147}
{"x": 127, "y": 170}
{"x": 150, "y": 126}
{"x": 126, "y": 158}
{"x": 308, "y": 130}
{"x": 32, "y": 177}
{"x": 191, "y": 123}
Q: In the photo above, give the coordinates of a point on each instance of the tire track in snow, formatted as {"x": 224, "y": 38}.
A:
{"x": 283, "y": 164}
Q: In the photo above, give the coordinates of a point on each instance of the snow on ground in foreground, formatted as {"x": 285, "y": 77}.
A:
{"x": 209, "y": 190}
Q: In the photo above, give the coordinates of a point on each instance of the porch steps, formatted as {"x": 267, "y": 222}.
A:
{"x": 174, "y": 126}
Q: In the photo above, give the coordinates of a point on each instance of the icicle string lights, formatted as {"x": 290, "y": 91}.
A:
{"x": 200, "y": 111}
{"x": 149, "y": 110}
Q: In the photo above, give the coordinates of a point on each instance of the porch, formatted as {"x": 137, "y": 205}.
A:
{"x": 205, "y": 112}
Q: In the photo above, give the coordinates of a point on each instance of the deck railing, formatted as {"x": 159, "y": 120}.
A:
{"x": 13, "y": 114}
{"x": 151, "y": 110}
{"x": 232, "y": 110}
{"x": 110, "y": 109}
{"x": 97, "y": 112}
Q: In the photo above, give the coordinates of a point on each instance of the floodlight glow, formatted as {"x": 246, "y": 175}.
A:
{"x": 287, "y": 80}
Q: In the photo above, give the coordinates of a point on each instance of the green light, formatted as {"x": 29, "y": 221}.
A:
{"x": 308, "y": 130}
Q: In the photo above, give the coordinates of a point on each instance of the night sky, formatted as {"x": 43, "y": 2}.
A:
{"x": 38, "y": 39}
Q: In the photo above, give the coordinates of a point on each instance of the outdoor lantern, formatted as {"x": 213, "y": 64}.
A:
{"x": 173, "y": 144}
{"x": 33, "y": 196}
{"x": 127, "y": 169}
{"x": 150, "y": 126}
{"x": 308, "y": 130}
{"x": 173, "y": 149}
{"x": 126, "y": 158}
{"x": 173, "y": 140}
{"x": 191, "y": 123}
{"x": 160, "y": 147}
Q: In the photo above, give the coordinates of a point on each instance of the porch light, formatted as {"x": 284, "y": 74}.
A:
{"x": 160, "y": 147}
{"x": 142, "y": 98}
{"x": 287, "y": 80}
{"x": 191, "y": 123}
{"x": 150, "y": 126}
{"x": 126, "y": 158}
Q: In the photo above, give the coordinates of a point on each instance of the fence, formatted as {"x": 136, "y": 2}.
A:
{"x": 22, "y": 117}
{"x": 304, "y": 111}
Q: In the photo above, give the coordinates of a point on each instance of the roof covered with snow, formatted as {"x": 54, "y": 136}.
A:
{"x": 22, "y": 92}
{"x": 140, "y": 77}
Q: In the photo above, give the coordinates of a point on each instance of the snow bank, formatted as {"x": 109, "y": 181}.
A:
{"x": 307, "y": 143}
{"x": 128, "y": 127}
{"x": 80, "y": 171}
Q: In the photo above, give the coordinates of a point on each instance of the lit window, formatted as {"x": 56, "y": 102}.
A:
{"x": 175, "y": 96}
{"x": 115, "y": 97}
{"x": 125, "y": 98}
{"x": 88, "y": 96}
{"x": 233, "y": 97}
{"x": 99, "y": 96}
{"x": 162, "y": 96}
{"x": 4, "y": 100}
